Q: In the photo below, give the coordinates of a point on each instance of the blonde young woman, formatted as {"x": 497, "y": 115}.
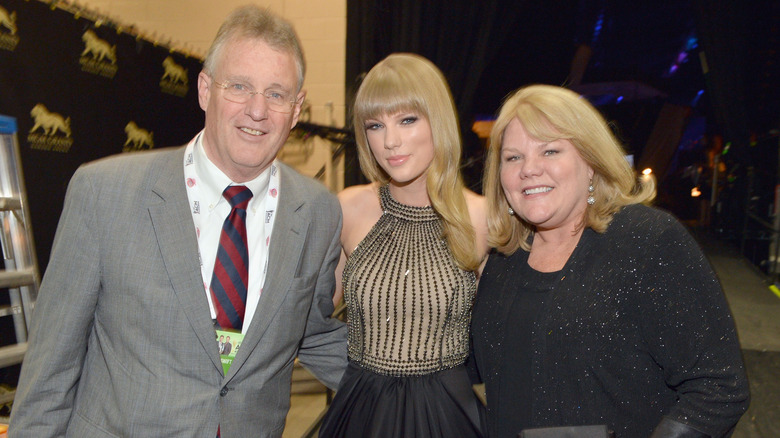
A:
{"x": 413, "y": 243}
{"x": 596, "y": 309}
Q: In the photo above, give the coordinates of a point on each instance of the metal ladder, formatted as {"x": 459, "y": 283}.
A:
{"x": 19, "y": 278}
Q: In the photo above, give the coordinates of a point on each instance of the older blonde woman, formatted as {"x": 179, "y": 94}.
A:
{"x": 413, "y": 242}
{"x": 595, "y": 309}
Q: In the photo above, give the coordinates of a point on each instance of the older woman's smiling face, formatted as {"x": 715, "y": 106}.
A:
{"x": 545, "y": 183}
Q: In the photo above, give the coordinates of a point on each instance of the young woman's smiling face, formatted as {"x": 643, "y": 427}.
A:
{"x": 402, "y": 144}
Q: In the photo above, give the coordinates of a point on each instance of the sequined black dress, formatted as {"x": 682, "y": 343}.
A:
{"x": 634, "y": 332}
{"x": 409, "y": 308}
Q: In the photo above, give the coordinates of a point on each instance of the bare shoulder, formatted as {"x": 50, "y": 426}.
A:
{"x": 477, "y": 205}
{"x": 474, "y": 200}
{"x": 356, "y": 196}
{"x": 361, "y": 209}
{"x": 359, "y": 200}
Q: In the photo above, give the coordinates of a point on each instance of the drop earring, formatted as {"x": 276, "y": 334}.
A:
{"x": 511, "y": 212}
{"x": 591, "y": 199}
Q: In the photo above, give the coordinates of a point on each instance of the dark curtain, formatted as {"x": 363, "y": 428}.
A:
{"x": 460, "y": 36}
{"x": 739, "y": 43}
{"x": 722, "y": 28}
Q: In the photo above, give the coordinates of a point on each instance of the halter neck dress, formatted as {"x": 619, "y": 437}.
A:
{"x": 409, "y": 310}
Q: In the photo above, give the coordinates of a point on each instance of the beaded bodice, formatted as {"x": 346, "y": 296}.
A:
{"x": 408, "y": 303}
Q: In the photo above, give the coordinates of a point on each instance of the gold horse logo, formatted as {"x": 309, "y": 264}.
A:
{"x": 48, "y": 121}
{"x": 99, "y": 49}
{"x": 8, "y": 20}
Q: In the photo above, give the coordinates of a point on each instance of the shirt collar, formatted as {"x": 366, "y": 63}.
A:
{"x": 214, "y": 181}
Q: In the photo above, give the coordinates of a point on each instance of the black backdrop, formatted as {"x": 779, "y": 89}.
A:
{"x": 459, "y": 36}
{"x": 96, "y": 78}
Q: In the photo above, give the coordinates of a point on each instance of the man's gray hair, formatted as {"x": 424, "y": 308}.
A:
{"x": 253, "y": 22}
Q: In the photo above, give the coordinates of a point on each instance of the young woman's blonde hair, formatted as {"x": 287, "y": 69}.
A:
{"x": 409, "y": 82}
{"x": 550, "y": 113}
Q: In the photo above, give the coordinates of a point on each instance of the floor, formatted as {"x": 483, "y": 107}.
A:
{"x": 304, "y": 410}
{"x": 307, "y": 403}
{"x": 756, "y": 311}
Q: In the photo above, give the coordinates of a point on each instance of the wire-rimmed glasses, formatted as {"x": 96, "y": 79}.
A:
{"x": 278, "y": 100}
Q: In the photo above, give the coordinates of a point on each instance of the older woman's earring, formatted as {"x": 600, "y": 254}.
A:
{"x": 511, "y": 212}
{"x": 591, "y": 199}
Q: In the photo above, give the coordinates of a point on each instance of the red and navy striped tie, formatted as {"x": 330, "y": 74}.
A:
{"x": 231, "y": 268}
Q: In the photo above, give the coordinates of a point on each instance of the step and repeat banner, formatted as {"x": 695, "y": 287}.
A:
{"x": 82, "y": 88}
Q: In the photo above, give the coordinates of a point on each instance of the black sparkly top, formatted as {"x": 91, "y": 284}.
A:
{"x": 635, "y": 332}
{"x": 408, "y": 303}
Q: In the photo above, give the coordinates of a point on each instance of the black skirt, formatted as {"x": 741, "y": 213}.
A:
{"x": 440, "y": 404}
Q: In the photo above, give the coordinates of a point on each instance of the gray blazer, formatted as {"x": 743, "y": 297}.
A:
{"x": 122, "y": 343}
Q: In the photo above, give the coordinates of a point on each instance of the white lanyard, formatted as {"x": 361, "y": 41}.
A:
{"x": 258, "y": 252}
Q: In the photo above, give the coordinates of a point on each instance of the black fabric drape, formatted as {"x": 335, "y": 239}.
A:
{"x": 721, "y": 29}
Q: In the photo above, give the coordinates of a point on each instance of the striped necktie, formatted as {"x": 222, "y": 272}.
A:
{"x": 231, "y": 268}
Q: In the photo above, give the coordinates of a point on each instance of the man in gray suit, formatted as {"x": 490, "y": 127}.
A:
{"x": 123, "y": 340}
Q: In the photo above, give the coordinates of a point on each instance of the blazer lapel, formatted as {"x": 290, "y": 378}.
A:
{"x": 172, "y": 222}
{"x": 287, "y": 242}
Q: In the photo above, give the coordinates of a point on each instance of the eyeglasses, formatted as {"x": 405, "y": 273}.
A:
{"x": 279, "y": 101}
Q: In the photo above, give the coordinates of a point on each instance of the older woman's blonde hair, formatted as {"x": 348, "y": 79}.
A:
{"x": 550, "y": 113}
{"x": 409, "y": 82}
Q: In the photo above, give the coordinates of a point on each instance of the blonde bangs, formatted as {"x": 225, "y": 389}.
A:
{"x": 383, "y": 91}
{"x": 387, "y": 92}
